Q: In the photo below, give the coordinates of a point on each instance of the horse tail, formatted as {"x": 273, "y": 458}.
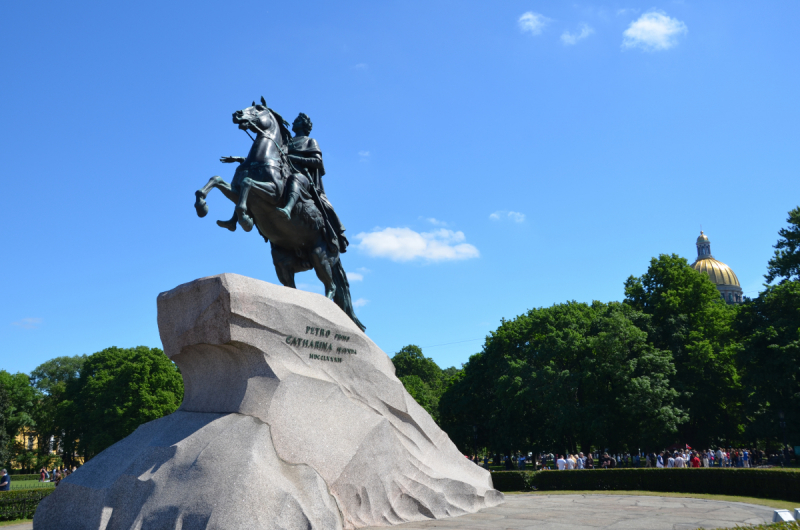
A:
{"x": 342, "y": 295}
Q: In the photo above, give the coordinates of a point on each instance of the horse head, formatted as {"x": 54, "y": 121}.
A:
{"x": 256, "y": 118}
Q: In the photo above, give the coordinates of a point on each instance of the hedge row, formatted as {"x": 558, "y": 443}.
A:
{"x": 768, "y": 484}
{"x": 37, "y": 476}
{"x": 21, "y": 504}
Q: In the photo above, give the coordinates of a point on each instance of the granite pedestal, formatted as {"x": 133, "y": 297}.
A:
{"x": 292, "y": 418}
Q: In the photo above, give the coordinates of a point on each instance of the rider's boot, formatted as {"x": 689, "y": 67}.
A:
{"x": 343, "y": 242}
{"x": 294, "y": 193}
{"x": 230, "y": 225}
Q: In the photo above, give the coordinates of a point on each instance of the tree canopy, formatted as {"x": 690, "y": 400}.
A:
{"x": 785, "y": 263}
{"x": 571, "y": 376}
{"x": 118, "y": 389}
{"x": 5, "y": 407}
{"x": 769, "y": 356}
{"x": 688, "y": 317}
{"x": 422, "y": 377}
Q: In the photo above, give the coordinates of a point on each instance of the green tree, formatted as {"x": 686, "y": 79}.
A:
{"x": 769, "y": 331}
{"x": 466, "y": 407}
{"x": 785, "y": 263}
{"x": 769, "y": 327}
{"x": 422, "y": 377}
{"x": 51, "y": 379}
{"x": 689, "y": 318}
{"x": 571, "y": 376}
{"x": 23, "y": 398}
{"x": 118, "y": 390}
{"x": 411, "y": 361}
{"x": 5, "y": 410}
{"x": 422, "y": 394}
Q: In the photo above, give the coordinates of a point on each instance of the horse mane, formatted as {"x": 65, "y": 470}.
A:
{"x": 283, "y": 125}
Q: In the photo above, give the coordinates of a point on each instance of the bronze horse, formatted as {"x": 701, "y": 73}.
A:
{"x": 298, "y": 244}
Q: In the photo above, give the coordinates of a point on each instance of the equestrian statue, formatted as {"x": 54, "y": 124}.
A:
{"x": 278, "y": 189}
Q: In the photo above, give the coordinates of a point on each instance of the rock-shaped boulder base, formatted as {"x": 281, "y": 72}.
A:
{"x": 292, "y": 418}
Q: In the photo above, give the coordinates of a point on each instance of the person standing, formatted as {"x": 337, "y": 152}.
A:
{"x": 5, "y": 481}
{"x": 561, "y": 463}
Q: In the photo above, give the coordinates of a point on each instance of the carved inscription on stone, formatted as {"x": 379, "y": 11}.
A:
{"x": 321, "y": 345}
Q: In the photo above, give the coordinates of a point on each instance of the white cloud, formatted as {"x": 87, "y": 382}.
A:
{"x": 653, "y": 31}
{"x": 28, "y": 323}
{"x": 532, "y": 22}
{"x": 363, "y": 154}
{"x": 360, "y": 66}
{"x": 363, "y": 270}
{"x": 435, "y": 222}
{"x": 361, "y": 302}
{"x": 572, "y": 38}
{"x": 404, "y": 244}
{"x": 355, "y": 277}
{"x": 627, "y": 11}
{"x": 504, "y": 214}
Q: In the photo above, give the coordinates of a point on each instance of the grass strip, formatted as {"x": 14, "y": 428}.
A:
{"x": 17, "y": 521}
{"x": 767, "y": 526}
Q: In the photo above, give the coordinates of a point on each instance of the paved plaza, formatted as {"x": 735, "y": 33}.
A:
{"x": 600, "y": 512}
{"x": 594, "y": 512}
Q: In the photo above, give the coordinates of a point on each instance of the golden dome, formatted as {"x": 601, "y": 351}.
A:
{"x": 718, "y": 272}
{"x": 702, "y": 238}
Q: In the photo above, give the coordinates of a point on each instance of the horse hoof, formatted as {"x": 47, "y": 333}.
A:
{"x": 246, "y": 222}
{"x": 200, "y": 205}
{"x": 230, "y": 225}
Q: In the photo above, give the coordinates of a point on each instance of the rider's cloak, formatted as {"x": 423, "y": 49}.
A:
{"x": 305, "y": 147}
{"x": 309, "y": 148}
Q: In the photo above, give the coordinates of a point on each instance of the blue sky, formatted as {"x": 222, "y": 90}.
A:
{"x": 486, "y": 158}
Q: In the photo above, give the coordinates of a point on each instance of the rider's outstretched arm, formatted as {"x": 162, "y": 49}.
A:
{"x": 231, "y": 159}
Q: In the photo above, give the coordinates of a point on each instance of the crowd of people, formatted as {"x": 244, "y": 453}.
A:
{"x": 55, "y": 475}
{"x": 675, "y": 458}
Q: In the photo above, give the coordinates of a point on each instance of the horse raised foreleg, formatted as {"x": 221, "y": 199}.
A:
{"x": 200, "y": 195}
{"x": 241, "y": 207}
